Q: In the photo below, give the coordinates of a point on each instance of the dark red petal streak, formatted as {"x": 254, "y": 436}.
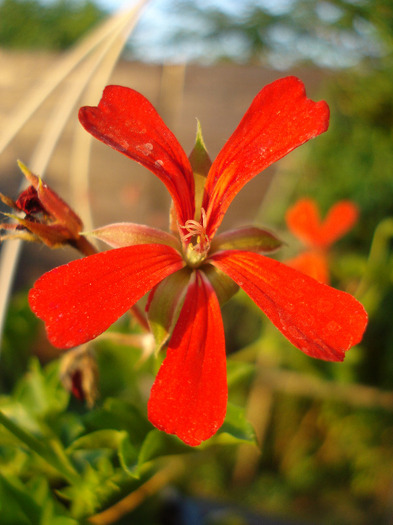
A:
{"x": 279, "y": 119}
{"x": 319, "y": 320}
{"x": 126, "y": 121}
{"x": 189, "y": 395}
{"x": 80, "y": 300}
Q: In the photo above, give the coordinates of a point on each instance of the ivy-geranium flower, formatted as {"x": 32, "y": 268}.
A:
{"x": 191, "y": 270}
{"x": 304, "y": 221}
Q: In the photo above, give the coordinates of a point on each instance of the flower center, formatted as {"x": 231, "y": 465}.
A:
{"x": 196, "y": 243}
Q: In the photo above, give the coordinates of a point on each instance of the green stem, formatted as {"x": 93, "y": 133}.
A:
{"x": 377, "y": 256}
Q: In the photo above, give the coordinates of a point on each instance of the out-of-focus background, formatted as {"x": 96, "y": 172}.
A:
{"x": 326, "y": 442}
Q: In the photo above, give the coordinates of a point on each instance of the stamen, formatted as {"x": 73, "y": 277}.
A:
{"x": 196, "y": 252}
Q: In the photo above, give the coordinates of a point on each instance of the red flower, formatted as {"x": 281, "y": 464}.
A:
{"x": 188, "y": 269}
{"x": 304, "y": 222}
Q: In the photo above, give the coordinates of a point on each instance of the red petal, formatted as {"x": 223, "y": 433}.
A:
{"x": 189, "y": 395}
{"x": 319, "y": 320}
{"x": 126, "y": 121}
{"x": 304, "y": 222}
{"x": 80, "y": 300}
{"x": 280, "y": 119}
{"x": 340, "y": 219}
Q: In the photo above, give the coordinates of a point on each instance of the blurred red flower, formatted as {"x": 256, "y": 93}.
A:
{"x": 187, "y": 269}
{"x": 304, "y": 222}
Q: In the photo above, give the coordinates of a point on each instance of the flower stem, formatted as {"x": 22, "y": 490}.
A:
{"x": 84, "y": 246}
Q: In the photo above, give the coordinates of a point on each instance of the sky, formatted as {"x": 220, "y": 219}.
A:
{"x": 160, "y": 20}
{"x": 232, "y": 6}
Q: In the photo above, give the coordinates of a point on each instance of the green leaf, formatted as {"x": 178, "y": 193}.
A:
{"x": 107, "y": 438}
{"x": 239, "y": 372}
{"x": 40, "y": 391}
{"x": 159, "y": 444}
{"x": 236, "y": 429}
{"x": 30, "y": 503}
{"x": 116, "y": 440}
{"x": 19, "y": 332}
{"x": 49, "y": 449}
{"x": 16, "y": 504}
{"x": 128, "y": 457}
{"x": 117, "y": 414}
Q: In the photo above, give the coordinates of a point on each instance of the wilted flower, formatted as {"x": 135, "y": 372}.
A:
{"x": 46, "y": 217}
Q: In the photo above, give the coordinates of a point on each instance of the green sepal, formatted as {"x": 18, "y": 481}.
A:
{"x": 223, "y": 285}
{"x": 122, "y": 234}
{"x": 200, "y": 164}
{"x": 251, "y": 239}
{"x": 164, "y": 305}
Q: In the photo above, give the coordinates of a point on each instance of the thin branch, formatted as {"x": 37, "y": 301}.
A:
{"x": 356, "y": 395}
{"x": 161, "y": 479}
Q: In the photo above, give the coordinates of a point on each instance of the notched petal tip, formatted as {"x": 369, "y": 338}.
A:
{"x": 280, "y": 119}
{"x": 126, "y": 121}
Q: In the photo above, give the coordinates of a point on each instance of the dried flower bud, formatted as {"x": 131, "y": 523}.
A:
{"x": 47, "y": 218}
{"x": 79, "y": 374}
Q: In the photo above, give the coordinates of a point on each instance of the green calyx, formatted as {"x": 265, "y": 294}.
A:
{"x": 200, "y": 164}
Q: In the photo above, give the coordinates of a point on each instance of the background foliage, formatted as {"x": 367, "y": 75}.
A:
{"x": 29, "y": 24}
